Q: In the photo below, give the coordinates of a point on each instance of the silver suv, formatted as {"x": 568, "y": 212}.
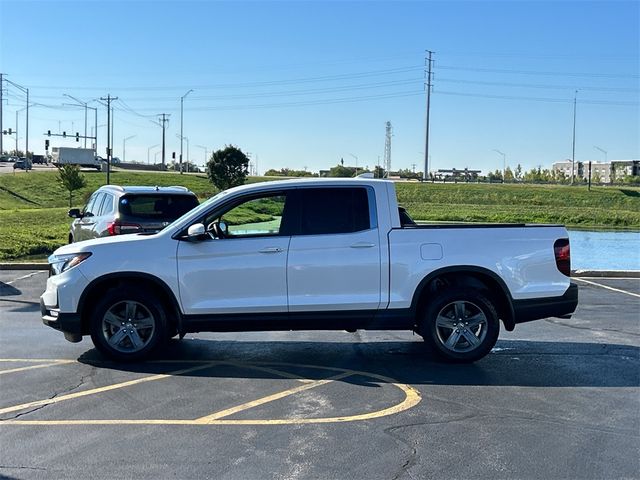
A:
{"x": 115, "y": 210}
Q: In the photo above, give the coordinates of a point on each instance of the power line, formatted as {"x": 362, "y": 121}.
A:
{"x": 532, "y": 72}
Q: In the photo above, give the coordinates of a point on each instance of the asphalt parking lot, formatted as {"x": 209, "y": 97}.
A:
{"x": 556, "y": 398}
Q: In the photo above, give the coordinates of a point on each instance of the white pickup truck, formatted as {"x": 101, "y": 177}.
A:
{"x": 322, "y": 254}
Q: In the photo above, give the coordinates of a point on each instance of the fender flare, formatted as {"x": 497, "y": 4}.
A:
{"x": 509, "y": 321}
{"x": 129, "y": 275}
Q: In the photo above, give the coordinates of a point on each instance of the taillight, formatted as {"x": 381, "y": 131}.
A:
{"x": 117, "y": 228}
{"x": 563, "y": 256}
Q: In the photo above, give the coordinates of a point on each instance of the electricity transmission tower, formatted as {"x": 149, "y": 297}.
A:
{"x": 387, "y": 150}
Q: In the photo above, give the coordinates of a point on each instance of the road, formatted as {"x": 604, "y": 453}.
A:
{"x": 555, "y": 399}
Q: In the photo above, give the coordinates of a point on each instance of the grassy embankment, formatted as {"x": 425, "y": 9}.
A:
{"x": 33, "y": 206}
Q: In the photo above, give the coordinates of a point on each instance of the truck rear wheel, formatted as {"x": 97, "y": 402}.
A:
{"x": 128, "y": 324}
{"x": 460, "y": 325}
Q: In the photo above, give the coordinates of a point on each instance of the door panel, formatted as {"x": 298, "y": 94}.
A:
{"x": 233, "y": 275}
{"x": 334, "y": 272}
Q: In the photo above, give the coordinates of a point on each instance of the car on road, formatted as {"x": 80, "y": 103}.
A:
{"x": 23, "y": 164}
{"x": 321, "y": 254}
{"x": 115, "y": 210}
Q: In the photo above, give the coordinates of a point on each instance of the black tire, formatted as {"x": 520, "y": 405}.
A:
{"x": 128, "y": 324}
{"x": 460, "y": 325}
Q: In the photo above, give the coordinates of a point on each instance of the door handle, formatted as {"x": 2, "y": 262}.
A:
{"x": 363, "y": 245}
{"x": 271, "y": 250}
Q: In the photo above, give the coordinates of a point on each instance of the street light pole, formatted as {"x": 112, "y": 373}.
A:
{"x": 573, "y": 150}
{"x": 206, "y": 154}
{"x": 356, "y": 157}
{"x": 84, "y": 104}
{"x": 603, "y": 151}
{"x": 124, "y": 141}
{"x": 504, "y": 164}
{"x": 149, "y": 152}
{"x": 181, "y": 124}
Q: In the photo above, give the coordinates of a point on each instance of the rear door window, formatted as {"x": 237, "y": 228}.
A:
{"x": 334, "y": 210}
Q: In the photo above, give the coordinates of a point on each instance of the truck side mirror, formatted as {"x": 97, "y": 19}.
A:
{"x": 196, "y": 232}
{"x": 75, "y": 213}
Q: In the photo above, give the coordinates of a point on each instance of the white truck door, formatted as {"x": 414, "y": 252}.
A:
{"x": 334, "y": 257}
{"x": 243, "y": 271}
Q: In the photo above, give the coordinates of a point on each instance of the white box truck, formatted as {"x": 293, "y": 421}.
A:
{"x": 83, "y": 157}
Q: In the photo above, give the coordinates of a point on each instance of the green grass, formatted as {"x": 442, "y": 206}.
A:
{"x": 602, "y": 207}
{"x": 33, "y": 206}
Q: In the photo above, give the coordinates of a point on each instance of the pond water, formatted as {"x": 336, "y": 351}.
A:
{"x": 604, "y": 250}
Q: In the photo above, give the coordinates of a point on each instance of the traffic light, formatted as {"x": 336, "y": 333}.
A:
{"x": 64, "y": 134}
{"x": 173, "y": 155}
{"x": 10, "y": 131}
{"x": 49, "y": 132}
{"x": 46, "y": 144}
{"x": 77, "y": 137}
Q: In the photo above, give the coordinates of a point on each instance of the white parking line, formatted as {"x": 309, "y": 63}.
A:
{"x": 607, "y": 287}
{"x": 29, "y": 275}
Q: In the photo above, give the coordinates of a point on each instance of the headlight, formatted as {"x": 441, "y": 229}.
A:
{"x": 62, "y": 263}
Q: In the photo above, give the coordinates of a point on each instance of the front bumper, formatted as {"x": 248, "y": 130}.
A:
{"x": 537, "y": 308}
{"x": 65, "y": 322}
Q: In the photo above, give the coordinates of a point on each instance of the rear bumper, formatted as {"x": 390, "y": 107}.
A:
{"x": 537, "y": 308}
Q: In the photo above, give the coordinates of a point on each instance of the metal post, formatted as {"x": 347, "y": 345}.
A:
{"x": 426, "y": 147}
{"x": 573, "y": 154}
{"x": 181, "y": 118}
{"x": 124, "y": 141}
{"x": 26, "y": 148}
{"x": 1, "y": 93}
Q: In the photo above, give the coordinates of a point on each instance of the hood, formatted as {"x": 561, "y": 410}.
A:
{"x": 97, "y": 243}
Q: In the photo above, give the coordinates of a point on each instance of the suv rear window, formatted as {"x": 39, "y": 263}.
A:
{"x": 166, "y": 207}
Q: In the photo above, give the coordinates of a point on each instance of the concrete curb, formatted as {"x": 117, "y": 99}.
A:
{"x": 606, "y": 273}
{"x": 24, "y": 266}
{"x": 574, "y": 273}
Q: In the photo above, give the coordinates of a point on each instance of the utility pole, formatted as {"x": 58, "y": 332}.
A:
{"x": 164, "y": 120}
{"x": 1, "y": 93}
{"x": 429, "y": 62}
{"x": 573, "y": 154}
{"x": 109, "y": 99}
{"x": 26, "y": 91}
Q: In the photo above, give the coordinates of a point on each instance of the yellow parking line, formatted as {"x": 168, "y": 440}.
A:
{"x": 93, "y": 391}
{"x": 412, "y": 398}
{"x": 40, "y": 365}
{"x": 280, "y": 373}
{"x": 270, "y": 398}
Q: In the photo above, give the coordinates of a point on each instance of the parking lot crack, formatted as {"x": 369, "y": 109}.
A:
{"x": 21, "y": 467}
{"x": 56, "y": 394}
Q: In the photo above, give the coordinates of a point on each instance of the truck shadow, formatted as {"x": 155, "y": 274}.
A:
{"x": 512, "y": 363}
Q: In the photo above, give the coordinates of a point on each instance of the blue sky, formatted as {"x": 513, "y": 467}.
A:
{"x": 304, "y": 84}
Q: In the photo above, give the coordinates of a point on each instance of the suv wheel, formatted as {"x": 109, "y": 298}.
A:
{"x": 461, "y": 325}
{"x": 127, "y": 325}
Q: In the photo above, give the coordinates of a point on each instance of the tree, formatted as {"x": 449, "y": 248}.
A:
{"x": 518, "y": 172}
{"x": 342, "y": 171}
{"x": 508, "y": 175}
{"x": 378, "y": 172}
{"x": 71, "y": 179}
{"x": 228, "y": 167}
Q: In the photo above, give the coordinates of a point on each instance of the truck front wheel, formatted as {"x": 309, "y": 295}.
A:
{"x": 460, "y": 325}
{"x": 128, "y": 324}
